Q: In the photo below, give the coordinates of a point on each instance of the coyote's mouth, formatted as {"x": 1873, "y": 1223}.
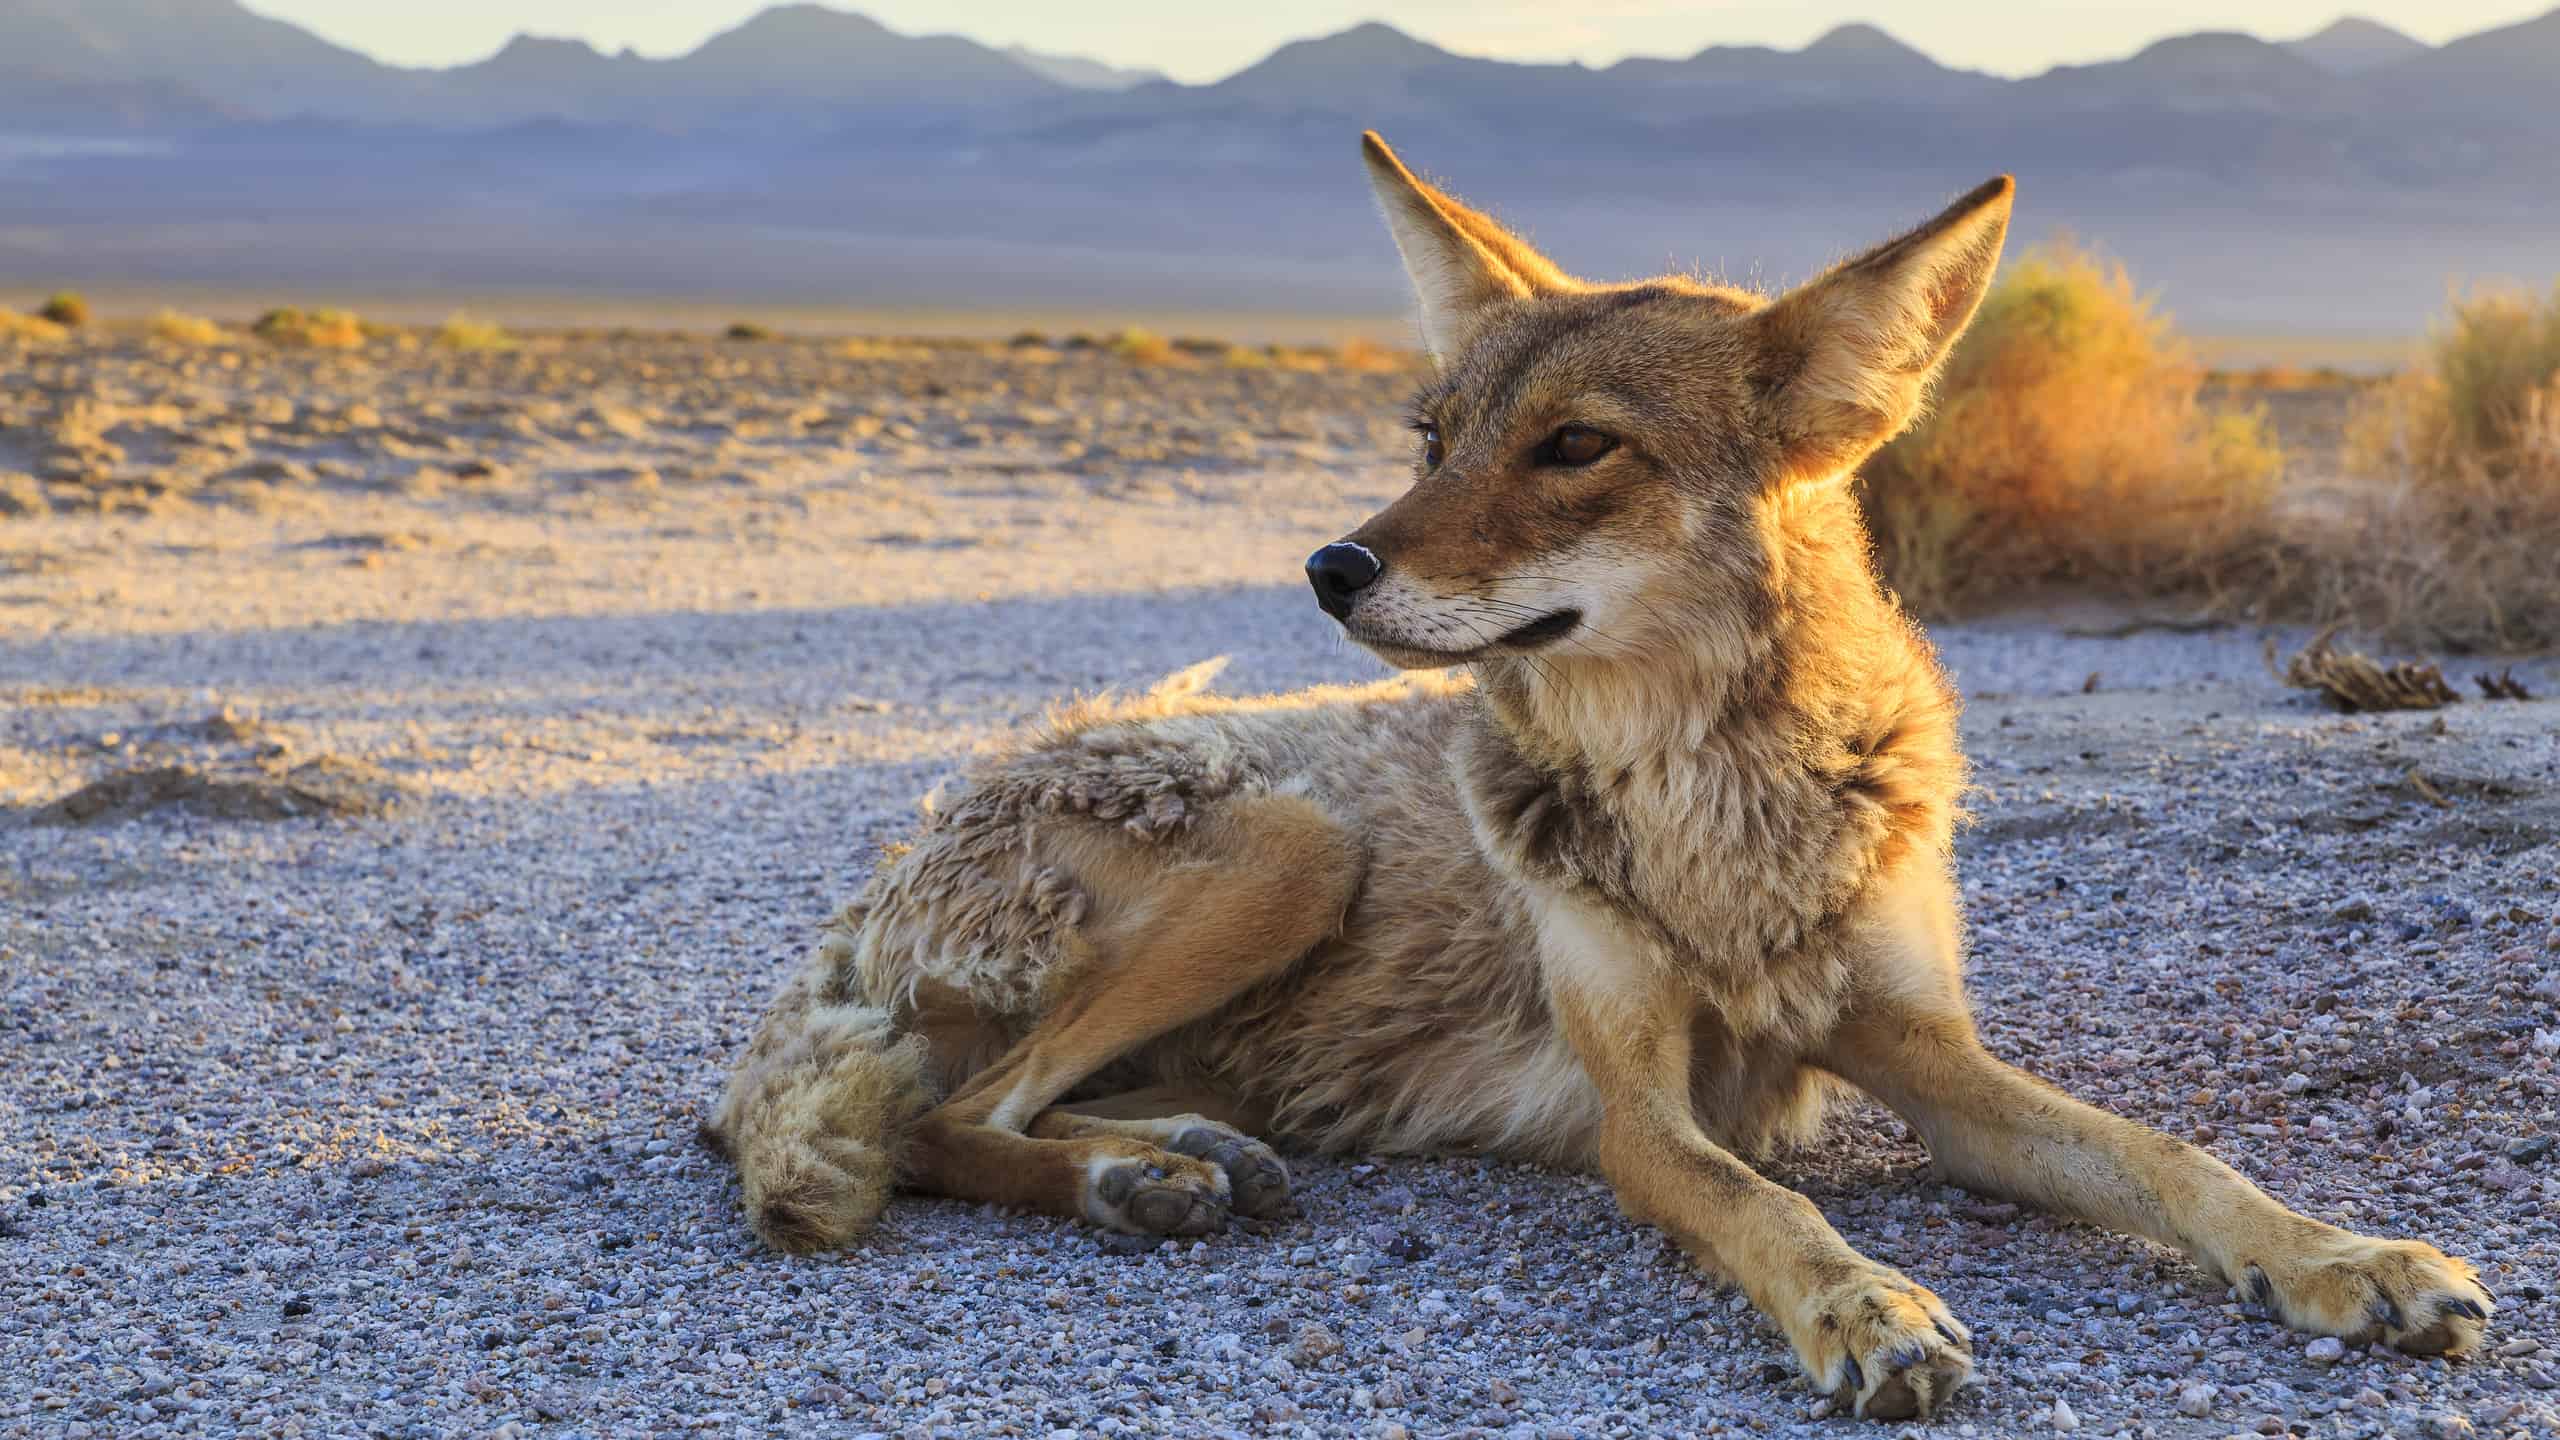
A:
{"x": 1404, "y": 655}
{"x": 1543, "y": 630}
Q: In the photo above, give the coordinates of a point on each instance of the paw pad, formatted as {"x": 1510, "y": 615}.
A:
{"x": 1144, "y": 1199}
{"x": 1256, "y": 1179}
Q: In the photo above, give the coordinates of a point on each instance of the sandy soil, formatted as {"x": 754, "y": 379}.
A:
{"x": 481, "y": 734}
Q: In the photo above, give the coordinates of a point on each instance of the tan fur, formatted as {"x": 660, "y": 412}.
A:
{"x": 810, "y": 1114}
{"x": 1670, "y": 864}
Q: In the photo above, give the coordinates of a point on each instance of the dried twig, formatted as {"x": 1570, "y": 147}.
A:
{"x": 2356, "y": 682}
{"x": 2428, "y": 791}
{"x": 2502, "y": 686}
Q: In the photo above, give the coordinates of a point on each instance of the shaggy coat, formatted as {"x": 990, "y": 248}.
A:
{"x": 1648, "y": 854}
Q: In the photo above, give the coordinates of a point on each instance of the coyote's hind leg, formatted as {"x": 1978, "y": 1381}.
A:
{"x": 1175, "y": 933}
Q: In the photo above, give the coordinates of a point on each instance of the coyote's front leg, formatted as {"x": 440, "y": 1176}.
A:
{"x": 1993, "y": 1128}
{"x": 1878, "y": 1342}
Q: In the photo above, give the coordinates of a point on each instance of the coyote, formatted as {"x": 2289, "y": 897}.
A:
{"x": 1662, "y": 871}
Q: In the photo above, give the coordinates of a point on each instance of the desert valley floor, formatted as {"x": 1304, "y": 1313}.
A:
{"x": 417, "y": 767}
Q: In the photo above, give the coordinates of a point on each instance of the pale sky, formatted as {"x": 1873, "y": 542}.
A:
{"x": 1181, "y": 37}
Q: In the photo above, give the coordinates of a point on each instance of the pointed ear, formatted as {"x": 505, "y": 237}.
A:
{"x": 1459, "y": 260}
{"x": 1849, "y": 356}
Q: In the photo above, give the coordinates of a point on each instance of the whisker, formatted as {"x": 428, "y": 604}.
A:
{"x": 1516, "y": 579}
{"x": 1528, "y": 615}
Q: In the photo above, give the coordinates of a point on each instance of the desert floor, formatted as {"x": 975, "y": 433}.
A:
{"x": 484, "y": 733}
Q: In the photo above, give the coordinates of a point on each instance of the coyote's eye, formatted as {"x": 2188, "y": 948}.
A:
{"x": 1575, "y": 445}
{"x": 1432, "y": 454}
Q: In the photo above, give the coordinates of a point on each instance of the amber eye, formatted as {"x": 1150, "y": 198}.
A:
{"x": 1432, "y": 454}
{"x": 1576, "y": 445}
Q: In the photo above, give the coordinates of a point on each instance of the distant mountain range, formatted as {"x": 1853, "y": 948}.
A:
{"x": 814, "y": 152}
{"x": 803, "y": 61}
{"x": 1078, "y": 73}
{"x": 2352, "y": 44}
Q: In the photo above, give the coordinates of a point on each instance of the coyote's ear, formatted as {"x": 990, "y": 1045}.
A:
{"x": 1460, "y": 261}
{"x": 1849, "y": 356}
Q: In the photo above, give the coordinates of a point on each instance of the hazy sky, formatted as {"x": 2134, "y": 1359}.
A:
{"x": 1178, "y": 37}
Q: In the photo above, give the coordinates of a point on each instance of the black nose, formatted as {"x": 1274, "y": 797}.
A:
{"x": 1339, "y": 572}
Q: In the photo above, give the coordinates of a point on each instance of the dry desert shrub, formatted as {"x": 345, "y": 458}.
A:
{"x": 1369, "y": 357}
{"x": 1313, "y": 359}
{"x": 2069, "y": 444}
{"x": 747, "y": 332}
{"x": 2486, "y": 396}
{"x": 1356, "y": 356}
{"x": 316, "y": 329}
{"x": 2455, "y": 541}
{"x": 335, "y": 330}
{"x": 461, "y": 332}
{"x": 178, "y": 328}
{"x": 66, "y": 308}
{"x": 1143, "y": 347}
{"x": 29, "y": 329}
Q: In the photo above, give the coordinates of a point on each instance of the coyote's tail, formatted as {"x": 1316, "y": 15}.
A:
{"x": 816, "y": 1114}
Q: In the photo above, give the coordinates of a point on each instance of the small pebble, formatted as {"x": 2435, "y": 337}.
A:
{"x": 1314, "y": 1343}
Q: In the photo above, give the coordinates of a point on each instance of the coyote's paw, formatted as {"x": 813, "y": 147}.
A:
{"x": 1256, "y": 1180}
{"x": 1884, "y": 1347}
{"x": 1156, "y": 1193}
{"x": 2406, "y": 1292}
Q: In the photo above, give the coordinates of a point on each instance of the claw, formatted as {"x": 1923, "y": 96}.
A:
{"x": 1948, "y": 1331}
{"x": 2261, "y": 1289}
{"x": 1906, "y": 1355}
{"x": 1857, "y": 1377}
{"x": 2460, "y": 1306}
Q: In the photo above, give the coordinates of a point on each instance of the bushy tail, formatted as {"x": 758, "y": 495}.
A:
{"x": 815, "y": 1116}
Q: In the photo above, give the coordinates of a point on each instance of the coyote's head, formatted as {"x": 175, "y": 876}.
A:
{"x": 1597, "y": 462}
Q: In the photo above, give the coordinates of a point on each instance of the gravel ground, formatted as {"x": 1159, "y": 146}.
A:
{"x": 365, "y": 1107}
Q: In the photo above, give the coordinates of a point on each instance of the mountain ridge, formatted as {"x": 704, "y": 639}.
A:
{"x": 806, "y": 57}
{"x": 2352, "y": 44}
{"x": 812, "y": 146}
